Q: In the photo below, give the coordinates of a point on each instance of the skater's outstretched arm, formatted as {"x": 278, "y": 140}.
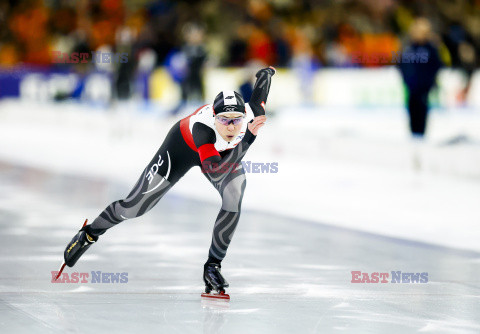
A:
{"x": 261, "y": 90}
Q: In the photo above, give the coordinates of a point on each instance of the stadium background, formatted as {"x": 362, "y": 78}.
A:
{"x": 337, "y": 128}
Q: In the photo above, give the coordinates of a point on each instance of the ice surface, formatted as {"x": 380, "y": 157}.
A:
{"x": 286, "y": 275}
{"x": 347, "y": 168}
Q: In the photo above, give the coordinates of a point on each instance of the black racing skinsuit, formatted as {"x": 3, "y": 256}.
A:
{"x": 176, "y": 156}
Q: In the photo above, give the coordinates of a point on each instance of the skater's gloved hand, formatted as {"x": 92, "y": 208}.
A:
{"x": 269, "y": 70}
{"x": 256, "y": 124}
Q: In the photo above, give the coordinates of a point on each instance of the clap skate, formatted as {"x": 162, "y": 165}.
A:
{"x": 75, "y": 248}
{"x": 215, "y": 283}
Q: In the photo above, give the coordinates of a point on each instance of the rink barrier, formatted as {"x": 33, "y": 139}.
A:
{"x": 380, "y": 87}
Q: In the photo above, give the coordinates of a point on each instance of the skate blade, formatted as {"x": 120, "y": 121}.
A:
{"x": 63, "y": 265}
{"x": 216, "y": 296}
{"x": 60, "y": 271}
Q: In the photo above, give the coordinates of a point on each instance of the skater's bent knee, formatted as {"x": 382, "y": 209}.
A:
{"x": 124, "y": 213}
{"x": 232, "y": 195}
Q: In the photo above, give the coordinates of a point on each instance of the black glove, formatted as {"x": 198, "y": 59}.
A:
{"x": 268, "y": 70}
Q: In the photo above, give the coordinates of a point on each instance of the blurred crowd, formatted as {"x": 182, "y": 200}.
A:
{"x": 236, "y": 32}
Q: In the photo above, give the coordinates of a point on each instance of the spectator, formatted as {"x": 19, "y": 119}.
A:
{"x": 419, "y": 78}
{"x": 195, "y": 57}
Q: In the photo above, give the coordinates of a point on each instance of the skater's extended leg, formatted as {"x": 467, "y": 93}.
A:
{"x": 141, "y": 199}
{"x": 149, "y": 189}
{"x": 173, "y": 159}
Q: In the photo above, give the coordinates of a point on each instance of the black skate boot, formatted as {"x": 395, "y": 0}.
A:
{"x": 79, "y": 245}
{"x": 75, "y": 248}
{"x": 214, "y": 281}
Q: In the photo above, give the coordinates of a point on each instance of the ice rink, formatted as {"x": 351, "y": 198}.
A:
{"x": 360, "y": 212}
{"x": 286, "y": 275}
{"x": 345, "y": 199}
